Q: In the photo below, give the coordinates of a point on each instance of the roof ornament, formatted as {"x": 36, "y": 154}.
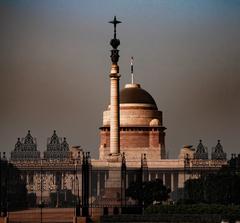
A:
{"x": 29, "y": 139}
{"x": 218, "y": 152}
{"x": 201, "y": 152}
{"x": 132, "y": 70}
{"x": 115, "y": 22}
{"x": 115, "y": 42}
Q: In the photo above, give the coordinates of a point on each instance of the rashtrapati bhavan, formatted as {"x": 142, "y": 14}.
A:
{"x": 132, "y": 138}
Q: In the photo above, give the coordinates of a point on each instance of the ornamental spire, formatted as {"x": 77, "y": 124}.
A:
{"x": 115, "y": 22}
{"x": 114, "y": 42}
{"x": 114, "y": 94}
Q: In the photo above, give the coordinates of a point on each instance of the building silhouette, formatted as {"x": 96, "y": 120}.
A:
{"x": 132, "y": 133}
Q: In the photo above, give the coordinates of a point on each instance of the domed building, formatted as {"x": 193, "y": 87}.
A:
{"x": 141, "y": 126}
{"x": 132, "y": 147}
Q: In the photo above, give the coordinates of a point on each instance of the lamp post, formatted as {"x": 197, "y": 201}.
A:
{"x": 50, "y": 192}
{"x": 123, "y": 181}
{"x": 74, "y": 188}
{"x": 0, "y": 184}
{"x": 4, "y": 183}
{"x": 77, "y": 201}
{"x": 186, "y": 165}
{"x": 78, "y": 193}
{"x": 86, "y": 168}
{"x": 41, "y": 203}
{"x": 57, "y": 203}
{"x": 65, "y": 195}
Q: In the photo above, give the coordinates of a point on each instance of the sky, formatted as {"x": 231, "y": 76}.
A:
{"x": 55, "y": 64}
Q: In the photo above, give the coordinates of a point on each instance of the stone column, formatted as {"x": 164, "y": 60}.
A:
{"x": 172, "y": 181}
{"x": 149, "y": 176}
{"x": 27, "y": 176}
{"x": 62, "y": 181}
{"x": 114, "y": 105}
{"x": 164, "y": 178}
{"x": 134, "y": 177}
{"x": 114, "y": 112}
{"x": 55, "y": 181}
{"x": 181, "y": 179}
{"x": 80, "y": 181}
{"x": 126, "y": 180}
{"x": 105, "y": 179}
{"x": 98, "y": 183}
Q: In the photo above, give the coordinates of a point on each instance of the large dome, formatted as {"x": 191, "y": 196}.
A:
{"x": 134, "y": 94}
{"x": 137, "y": 108}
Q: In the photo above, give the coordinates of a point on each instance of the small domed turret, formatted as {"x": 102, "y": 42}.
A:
{"x": 154, "y": 122}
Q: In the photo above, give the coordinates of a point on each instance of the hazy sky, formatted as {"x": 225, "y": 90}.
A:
{"x": 54, "y": 68}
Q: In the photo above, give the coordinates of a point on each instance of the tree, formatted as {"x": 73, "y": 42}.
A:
{"x": 148, "y": 192}
{"x": 194, "y": 190}
{"x": 218, "y": 188}
{"x": 13, "y": 188}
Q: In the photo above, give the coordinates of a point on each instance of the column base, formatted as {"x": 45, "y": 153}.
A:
{"x": 80, "y": 219}
{"x": 115, "y": 157}
{"x": 3, "y": 219}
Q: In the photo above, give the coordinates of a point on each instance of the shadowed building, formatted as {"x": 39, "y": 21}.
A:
{"x": 132, "y": 138}
{"x": 201, "y": 152}
{"x": 141, "y": 126}
{"x": 25, "y": 149}
{"x": 57, "y": 148}
{"x": 218, "y": 153}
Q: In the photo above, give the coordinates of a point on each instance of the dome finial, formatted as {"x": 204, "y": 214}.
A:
{"x": 132, "y": 70}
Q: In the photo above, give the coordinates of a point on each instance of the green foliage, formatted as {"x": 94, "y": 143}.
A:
{"x": 13, "y": 188}
{"x": 195, "y": 213}
{"x": 194, "y": 209}
{"x": 220, "y": 188}
{"x": 194, "y": 190}
{"x": 148, "y": 192}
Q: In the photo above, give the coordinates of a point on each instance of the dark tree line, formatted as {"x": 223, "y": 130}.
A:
{"x": 220, "y": 188}
{"x": 13, "y": 193}
{"x": 145, "y": 193}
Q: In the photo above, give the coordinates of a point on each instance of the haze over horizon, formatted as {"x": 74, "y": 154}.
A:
{"x": 55, "y": 64}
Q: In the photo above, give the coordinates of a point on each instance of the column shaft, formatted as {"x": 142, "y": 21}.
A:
{"x": 164, "y": 179}
{"x": 114, "y": 116}
{"x": 172, "y": 181}
{"x": 98, "y": 183}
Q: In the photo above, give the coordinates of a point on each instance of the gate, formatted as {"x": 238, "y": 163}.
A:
{"x": 95, "y": 190}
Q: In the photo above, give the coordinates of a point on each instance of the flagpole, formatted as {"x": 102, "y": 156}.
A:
{"x": 132, "y": 69}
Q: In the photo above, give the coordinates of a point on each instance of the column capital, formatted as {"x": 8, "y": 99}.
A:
{"x": 115, "y": 76}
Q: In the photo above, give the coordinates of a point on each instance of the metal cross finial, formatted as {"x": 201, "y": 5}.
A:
{"x": 115, "y": 22}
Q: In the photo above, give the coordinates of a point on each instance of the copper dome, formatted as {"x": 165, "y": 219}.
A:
{"x": 134, "y": 94}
